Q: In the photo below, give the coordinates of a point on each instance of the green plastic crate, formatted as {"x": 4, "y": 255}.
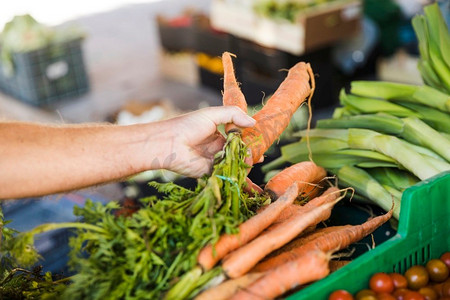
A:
{"x": 423, "y": 234}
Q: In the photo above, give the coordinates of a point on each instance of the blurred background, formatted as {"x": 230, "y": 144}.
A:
{"x": 142, "y": 61}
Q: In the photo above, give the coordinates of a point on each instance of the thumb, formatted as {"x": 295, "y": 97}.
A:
{"x": 229, "y": 114}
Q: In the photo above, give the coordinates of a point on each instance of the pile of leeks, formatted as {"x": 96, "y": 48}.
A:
{"x": 387, "y": 136}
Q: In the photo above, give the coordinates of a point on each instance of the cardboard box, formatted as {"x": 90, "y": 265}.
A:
{"x": 315, "y": 27}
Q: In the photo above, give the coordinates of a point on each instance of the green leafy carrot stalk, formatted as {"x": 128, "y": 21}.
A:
{"x": 153, "y": 252}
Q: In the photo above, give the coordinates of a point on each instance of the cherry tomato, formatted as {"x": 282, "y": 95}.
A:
{"x": 446, "y": 289}
{"x": 417, "y": 277}
{"x": 365, "y": 295}
{"x": 399, "y": 294}
{"x": 381, "y": 283}
{"x": 385, "y": 296}
{"x": 437, "y": 270}
{"x": 438, "y": 288}
{"x": 413, "y": 295}
{"x": 446, "y": 259}
{"x": 429, "y": 293}
{"x": 340, "y": 295}
{"x": 399, "y": 280}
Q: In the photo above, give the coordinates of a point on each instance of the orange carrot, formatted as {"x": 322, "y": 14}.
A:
{"x": 335, "y": 265}
{"x": 272, "y": 260}
{"x": 275, "y": 116}
{"x": 303, "y": 239}
{"x": 243, "y": 259}
{"x": 228, "y": 288}
{"x": 248, "y": 230}
{"x": 294, "y": 209}
{"x": 331, "y": 241}
{"x": 310, "y": 267}
{"x": 305, "y": 173}
{"x": 232, "y": 94}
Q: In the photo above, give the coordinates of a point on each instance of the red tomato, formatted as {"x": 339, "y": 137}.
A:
{"x": 413, "y": 295}
{"x": 381, "y": 283}
{"x": 429, "y": 293}
{"x": 446, "y": 258}
{"x": 340, "y": 295}
{"x": 400, "y": 294}
{"x": 399, "y": 280}
{"x": 385, "y": 296}
{"x": 446, "y": 289}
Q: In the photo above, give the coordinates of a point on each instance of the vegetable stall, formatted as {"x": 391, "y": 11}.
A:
{"x": 387, "y": 144}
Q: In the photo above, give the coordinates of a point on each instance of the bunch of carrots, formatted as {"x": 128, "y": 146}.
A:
{"x": 280, "y": 247}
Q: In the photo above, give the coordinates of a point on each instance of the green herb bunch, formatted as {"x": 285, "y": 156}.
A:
{"x": 152, "y": 253}
{"x": 17, "y": 282}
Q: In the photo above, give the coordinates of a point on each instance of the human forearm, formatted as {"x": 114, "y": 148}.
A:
{"x": 37, "y": 160}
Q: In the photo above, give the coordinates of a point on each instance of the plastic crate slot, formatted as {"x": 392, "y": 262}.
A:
{"x": 417, "y": 242}
{"x": 411, "y": 261}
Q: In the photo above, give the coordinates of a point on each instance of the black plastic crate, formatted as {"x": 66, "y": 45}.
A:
{"x": 176, "y": 34}
{"x": 258, "y": 85}
{"x": 268, "y": 59}
{"x": 45, "y": 75}
{"x": 210, "y": 41}
{"x": 210, "y": 80}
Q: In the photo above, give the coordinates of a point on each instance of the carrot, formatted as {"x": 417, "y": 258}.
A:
{"x": 228, "y": 288}
{"x": 275, "y": 116}
{"x": 310, "y": 267}
{"x": 251, "y": 188}
{"x": 232, "y": 94}
{"x": 331, "y": 241}
{"x": 294, "y": 209}
{"x": 271, "y": 262}
{"x": 335, "y": 265}
{"x": 303, "y": 239}
{"x": 305, "y": 173}
{"x": 243, "y": 259}
{"x": 248, "y": 230}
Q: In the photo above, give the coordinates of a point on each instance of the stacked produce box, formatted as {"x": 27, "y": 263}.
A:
{"x": 39, "y": 65}
{"x": 191, "y": 49}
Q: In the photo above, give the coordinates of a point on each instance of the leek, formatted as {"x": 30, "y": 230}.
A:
{"x": 395, "y": 148}
{"x": 366, "y": 185}
{"x": 411, "y": 129}
{"x": 370, "y": 106}
{"x": 424, "y": 95}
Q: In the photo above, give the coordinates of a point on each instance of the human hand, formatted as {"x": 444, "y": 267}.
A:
{"x": 196, "y": 139}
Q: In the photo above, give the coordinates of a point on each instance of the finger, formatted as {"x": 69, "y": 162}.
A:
{"x": 251, "y": 187}
{"x": 212, "y": 147}
{"x": 212, "y": 138}
{"x": 261, "y": 159}
{"x": 229, "y": 114}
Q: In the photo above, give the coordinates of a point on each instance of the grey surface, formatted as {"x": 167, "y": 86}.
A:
{"x": 121, "y": 53}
